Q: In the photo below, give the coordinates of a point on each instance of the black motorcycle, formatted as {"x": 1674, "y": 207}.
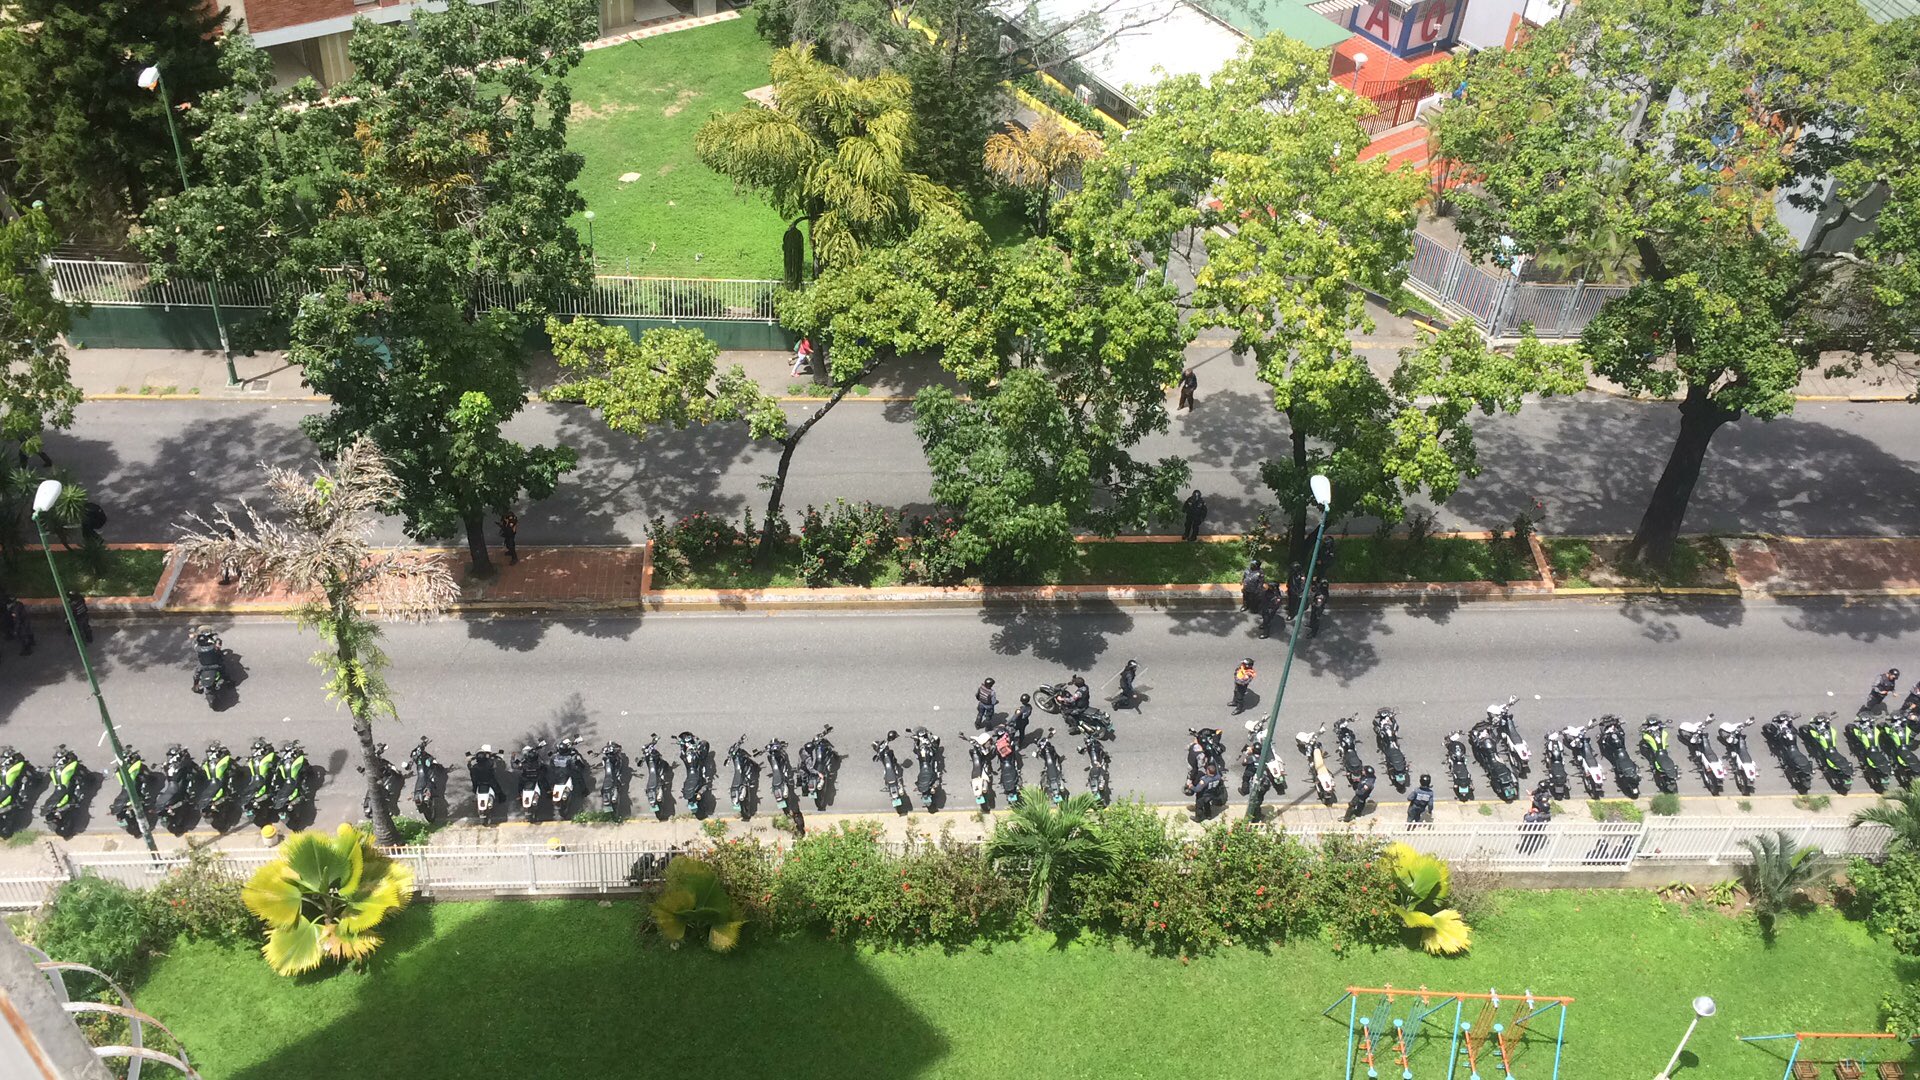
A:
{"x": 1053, "y": 698}
{"x": 656, "y": 766}
{"x": 1386, "y": 739}
{"x": 1825, "y": 744}
{"x": 780, "y": 776}
{"x": 263, "y": 770}
{"x": 1654, "y": 745}
{"x": 210, "y": 669}
{"x": 931, "y": 767}
{"x": 1897, "y": 742}
{"x": 221, "y": 790}
{"x": 483, "y": 773}
{"x": 1875, "y": 764}
{"x": 615, "y": 773}
{"x": 1099, "y": 769}
{"x": 530, "y": 766}
{"x": 743, "y": 784}
{"x": 18, "y": 778}
{"x": 819, "y": 761}
{"x": 1006, "y": 759}
{"x": 179, "y": 786}
{"x": 1613, "y": 747}
{"x": 1555, "y": 754}
{"x": 1349, "y": 745}
{"x": 1783, "y": 738}
{"x": 1457, "y": 768}
{"x": 137, "y": 783}
{"x": 425, "y": 770}
{"x": 387, "y": 783}
{"x": 1489, "y": 750}
{"x": 1053, "y": 770}
{"x": 696, "y": 758}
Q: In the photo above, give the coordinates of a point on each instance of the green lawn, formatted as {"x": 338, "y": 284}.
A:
{"x": 635, "y": 109}
{"x": 562, "y": 989}
{"x": 125, "y": 573}
{"x": 1581, "y": 564}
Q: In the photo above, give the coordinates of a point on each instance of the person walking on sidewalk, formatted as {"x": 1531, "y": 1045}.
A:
{"x": 1189, "y": 382}
{"x": 81, "y": 617}
{"x": 509, "y": 529}
{"x": 1296, "y": 588}
{"x": 1362, "y": 791}
{"x": 1420, "y": 802}
{"x": 22, "y": 627}
{"x": 1196, "y": 513}
{"x": 1242, "y": 678}
{"x": 802, "y": 358}
{"x": 1273, "y": 610}
{"x": 226, "y": 565}
{"x": 1251, "y": 581}
{"x": 1128, "y": 699}
{"x": 985, "y": 701}
{"x": 1316, "y": 606}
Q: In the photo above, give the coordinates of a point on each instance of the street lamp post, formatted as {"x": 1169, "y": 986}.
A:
{"x": 1703, "y": 1007}
{"x": 590, "y": 255}
{"x": 150, "y": 80}
{"x": 43, "y": 500}
{"x": 1322, "y": 490}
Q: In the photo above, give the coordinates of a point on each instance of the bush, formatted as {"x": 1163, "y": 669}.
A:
{"x": 749, "y": 870}
{"x": 1889, "y": 896}
{"x": 933, "y": 556}
{"x": 99, "y": 923}
{"x": 1900, "y": 1010}
{"x": 201, "y": 900}
{"x": 1353, "y": 892}
{"x": 848, "y": 544}
{"x": 1615, "y": 810}
{"x": 844, "y": 883}
{"x": 1666, "y": 804}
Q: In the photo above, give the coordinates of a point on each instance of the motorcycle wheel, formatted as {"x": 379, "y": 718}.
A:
{"x": 1047, "y": 700}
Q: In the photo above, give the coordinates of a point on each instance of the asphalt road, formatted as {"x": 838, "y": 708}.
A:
{"x": 1828, "y": 469}
{"x": 505, "y": 681}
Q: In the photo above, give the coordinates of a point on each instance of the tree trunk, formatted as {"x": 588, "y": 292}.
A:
{"x": 1046, "y": 901}
{"x": 1297, "y": 522}
{"x": 1700, "y": 417}
{"x": 477, "y": 544}
{"x": 787, "y": 446}
{"x": 384, "y": 833}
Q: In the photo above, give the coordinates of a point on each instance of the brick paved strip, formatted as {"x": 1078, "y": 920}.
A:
{"x": 1778, "y": 566}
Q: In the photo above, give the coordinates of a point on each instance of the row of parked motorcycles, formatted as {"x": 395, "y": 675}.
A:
{"x": 272, "y": 783}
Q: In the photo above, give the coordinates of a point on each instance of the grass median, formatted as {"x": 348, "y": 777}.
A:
{"x": 120, "y": 572}
{"x": 1698, "y": 562}
{"x": 562, "y": 989}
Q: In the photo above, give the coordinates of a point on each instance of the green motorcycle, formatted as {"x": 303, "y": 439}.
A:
{"x": 136, "y": 793}
{"x": 296, "y": 780}
{"x": 218, "y": 767}
{"x": 263, "y": 766}
{"x": 69, "y": 782}
{"x": 18, "y": 778}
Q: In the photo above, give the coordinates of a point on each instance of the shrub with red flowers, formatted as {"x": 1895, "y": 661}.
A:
{"x": 847, "y": 545}
{"x": 698, "y": 539}
{"x": 935, "y": 553}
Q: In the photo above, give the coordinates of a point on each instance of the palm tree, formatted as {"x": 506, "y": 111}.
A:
{"x": 319, "y": 549}
{"x": 1053, "y": 843}
{"x": 1036, "y": 159}
{"x": 1780, "y": 868}
{"x": 694, "y": 896}
{"x": 831, "y": 152}
{"x": 322, "y": 898}
{"x": 1899, "y": 811}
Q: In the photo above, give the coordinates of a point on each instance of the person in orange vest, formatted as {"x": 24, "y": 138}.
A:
{"x": 1242, "y": 678}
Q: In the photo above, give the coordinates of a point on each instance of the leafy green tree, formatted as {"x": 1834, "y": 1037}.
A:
{"x": 1307, "y": 224}
{"x": 666, "y": 376}
{"x": 1684, "y": 130}
{"x": 36, "y": 388}
{"x": 1779, "y": 870}
{"x": 438, "y": 174}
{"x": 1052, "y": 843}
{"x": 832, "y": 153}
{"x": 76, "y": 130}
{"x": 318, "y": 546}
{"x": 323, "y": 897}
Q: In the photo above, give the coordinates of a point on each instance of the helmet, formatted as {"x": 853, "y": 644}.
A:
{"x": 486, "y": 748}
{"x": 1493, "y": 711}
{"x": 1136, "y": 663}
{"x": 1368, "y": 771}
{"x": 1253, "y": 727}
{"x": 1426, "y": 779}
{"x": 989, "y": 682}
{"x": 1248, "y": 662}
{"x": 1026, "y": 699}
{"x": 1078, "y": 681}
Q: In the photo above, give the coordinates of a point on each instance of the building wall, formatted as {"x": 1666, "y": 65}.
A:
{"x": 1486, "y": 23}
{"x": 1420, "y": 29}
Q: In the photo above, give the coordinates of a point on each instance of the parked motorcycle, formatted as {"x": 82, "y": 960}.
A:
{"x": 980, "y": 767}
{"x": 217, "y": 766}
{"x": 1256, "y": 781}
{"x": 1698, "y": 739}
{"x": 530, "y": 767}
{"x": 615, "y": 773}
{"x": 1349, "y": 745}
{"x": 818, "y": 764}
{"x": 1825, "y": 744}
{"x": 210, "y": 669}
{"x": 1783, "y": 738}
{"x": 263, "y": 771}
{"x": 483, "y": 772}
{"x": 780, "y": 776}
{"x": 1457, "y": 768}
{"x": 1580, "y": 745}
{"x": 696, "y": 759}
{"x": 18, "y": 778}
{"x": 425, "y": 770}
{"x": 1386, "y": 738}
{"x": 179, "y": 785}
{"x": 1489, "y": 749}
{"x": 1554, "y": 753}
{"x": 1053, "y": 768}
{"x": 656, "y": 766}
{"x": 1511, "y": 744}
{"x": 387, "y": 783}
{"x": 1875, "y": 764}
{"x": 930, "y": 762}
{"x": 68, "y": 780}
{"x": 1613, "y": 747}
{"x": 1006, "y": 757}
{"x": 1897, "y": 740}
{"x": 1654, "y": 745}
{"x": 1099, "y": 769}
{"x": 1309, "y": 744}
{"x": 1734, "y": 737}
{"x": 743, "y": 779}
{"x": 136, "y": 791}
{"x": 293, "y": 794}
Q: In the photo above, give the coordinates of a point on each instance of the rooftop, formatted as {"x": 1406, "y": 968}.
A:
{"x": 1258, "y": 18}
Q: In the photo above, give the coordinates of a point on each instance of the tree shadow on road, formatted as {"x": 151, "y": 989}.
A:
{"x": 1038, "y": 628}
{"x": 623, "y": 480}
{"x": 209, "y": 462}
{"x": 1867, "y": 621}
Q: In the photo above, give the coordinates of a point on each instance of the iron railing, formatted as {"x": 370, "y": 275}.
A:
{"x": 1498, "y": 302}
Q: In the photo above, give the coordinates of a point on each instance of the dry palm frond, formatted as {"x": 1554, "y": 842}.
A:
{"x": 1036, "y": 157}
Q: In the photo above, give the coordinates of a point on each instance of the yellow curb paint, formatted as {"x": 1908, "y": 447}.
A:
{"x": 224, "y": 398}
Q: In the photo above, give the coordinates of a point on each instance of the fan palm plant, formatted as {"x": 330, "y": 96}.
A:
{"x": 322, "y": 898}
{"x": 1038, "y": 158}
{"x": 319, "y": 548}
{"x": 695, "y": 897}
{"x": 831, "y": 151}
{"x": 1899, "y": 811}
{"x": 1052, "y": 843}
{"x": 1780, "y": 869}
{"x": 1423, "y": 883}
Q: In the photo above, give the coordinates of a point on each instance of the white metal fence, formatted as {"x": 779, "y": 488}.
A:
{"x": 453, "y": 873}
{"x": 1499, "y": 302}
{"x": 107, "y": 283}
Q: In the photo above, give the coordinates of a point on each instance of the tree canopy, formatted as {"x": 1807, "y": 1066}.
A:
{"x": 425, "y": 204}
{"x": 1701, "y": 135}
{"x": 36, "y": 390}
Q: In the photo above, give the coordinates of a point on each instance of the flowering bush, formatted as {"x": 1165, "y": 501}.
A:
{"x": 934, "y": 552}
{"x": 699, "y": 537}
{"x": 845, "y": 883}
{"x": 848, "y": 544}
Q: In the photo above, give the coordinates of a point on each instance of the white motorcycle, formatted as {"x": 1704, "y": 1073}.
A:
{"x": 1698, "y": 739}
{"x": 1511, "y": 742}
{"x": 1734, "y": 737}
{"x": 1577, "y": 742}
{"x": 1309, "y": 743}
